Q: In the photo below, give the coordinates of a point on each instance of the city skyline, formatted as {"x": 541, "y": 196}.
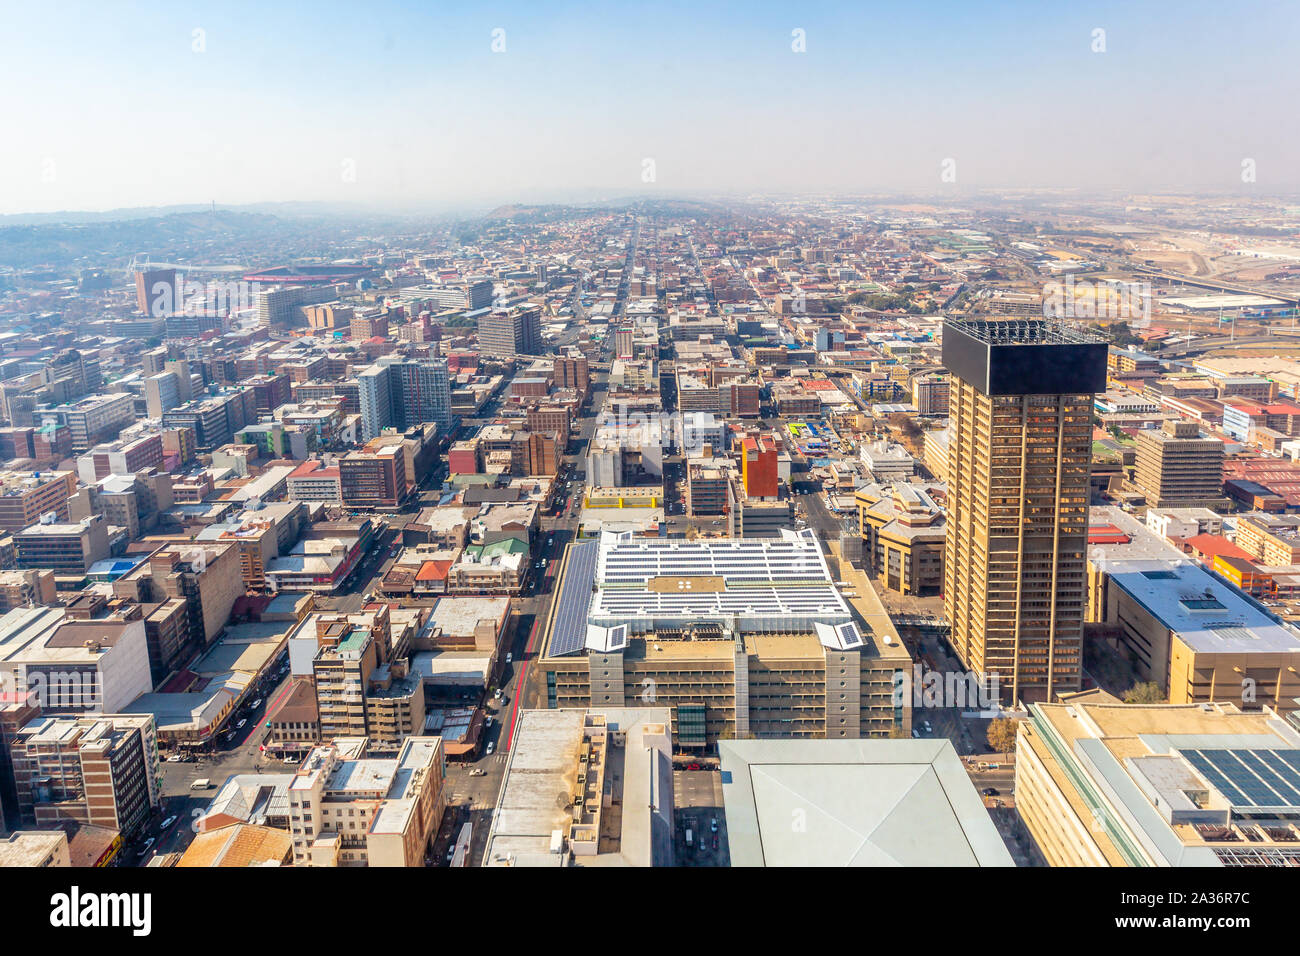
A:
{"x": 179, "y": 104}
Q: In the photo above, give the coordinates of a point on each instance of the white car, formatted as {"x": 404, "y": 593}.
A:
{"x": 240, "y": 725}
{"x": 168, "y": 822}
{"x": 491, "y": 747}
{"x": 257, "y": 703}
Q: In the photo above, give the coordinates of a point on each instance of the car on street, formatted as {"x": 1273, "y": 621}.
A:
{"x": 491, "y": 747}
{"x": 990, "y": 792}
{"x": 713, "y": 825}
{"x": 256, "y": 704}
{"x": 168, "y": 822}
{"x": 477, "y": 772}
{"x": 240, "y": 725}
{"x": 146, "y": 847}
{"x": 174, "y": 758}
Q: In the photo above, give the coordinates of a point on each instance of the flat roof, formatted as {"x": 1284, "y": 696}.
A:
{"x": 1206, "y": 614}
{"x": 860, "y": 803}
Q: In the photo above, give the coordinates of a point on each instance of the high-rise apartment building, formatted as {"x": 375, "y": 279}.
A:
{"x": 368, "y": 811}
{"x": 1019, "y": 454}
{"x": 97, "y": 770}
{"x": 399, "y": 392}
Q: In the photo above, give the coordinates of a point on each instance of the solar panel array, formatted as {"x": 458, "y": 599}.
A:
{"x": 780, "y": 579}
{"x": 1251, "y": 778}
{"x": 569, "y": 632}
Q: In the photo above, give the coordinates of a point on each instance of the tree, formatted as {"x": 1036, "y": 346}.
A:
{"x": 1002, "y": 735}
{"x": 1144, "y": 693}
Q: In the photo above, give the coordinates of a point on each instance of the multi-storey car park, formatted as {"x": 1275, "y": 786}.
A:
{"x": 739, "y": 638}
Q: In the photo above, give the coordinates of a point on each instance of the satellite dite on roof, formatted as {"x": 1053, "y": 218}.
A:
{"x": 839, "y": 637}
{"x": 606, "y": 640}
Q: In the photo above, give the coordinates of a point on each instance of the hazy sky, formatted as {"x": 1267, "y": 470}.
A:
{"x": 123, "y": 104}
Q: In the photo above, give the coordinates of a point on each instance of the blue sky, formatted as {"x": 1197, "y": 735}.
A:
{"x": 110, "y": 104}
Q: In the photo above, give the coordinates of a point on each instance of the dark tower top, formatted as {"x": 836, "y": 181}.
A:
{"x": 1024, "y": 356}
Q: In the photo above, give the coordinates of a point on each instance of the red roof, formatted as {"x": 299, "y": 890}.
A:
{"x": 1214, "y": 545}
{"x": 433, "y": 571}
{"x": 1107, "y": 534}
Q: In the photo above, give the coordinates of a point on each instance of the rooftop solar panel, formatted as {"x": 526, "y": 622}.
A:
{"x": 569, "y": 632}
{"x": 1251, "y": 778}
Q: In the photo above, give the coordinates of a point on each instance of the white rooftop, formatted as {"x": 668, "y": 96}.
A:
{"x": 1206, "y": 614}
{"x": 855, "y": 803}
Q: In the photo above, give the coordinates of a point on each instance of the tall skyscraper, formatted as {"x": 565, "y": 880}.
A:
{"x": 1019, "y": 453}
{"x": 375, "y": 386}
{"x": 156, "y": 292}
{"x": 425, "y": 393}
{"x": 402, "y": 392}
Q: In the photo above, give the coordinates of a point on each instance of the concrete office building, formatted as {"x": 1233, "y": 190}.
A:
{"x": 572, "y": 372}
{"x": 903, "y": 531}
{"x": 1101, "y": 783}
{"x": 930, "y": 394}
{"x": 66, "y": 548}
{"x": 615, "y": 764}
{"x": 1178, "y": 466}
{"x": 93, "y": 419}
{"x": 510, "y": 334}
{"x": 1019, "y": 453}
{"x": 207, "y": 577}
{"x": 35, "y": 848}
{"x": 123, "y": 457}
{"x": 25, "y": 496}
{"x": 740, "y": 638}
{"x": 156, "y": 292}
{"x": 374, "y": 479}
{"x": 162, "y": 393}
{"x": 1200, "y": 639}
